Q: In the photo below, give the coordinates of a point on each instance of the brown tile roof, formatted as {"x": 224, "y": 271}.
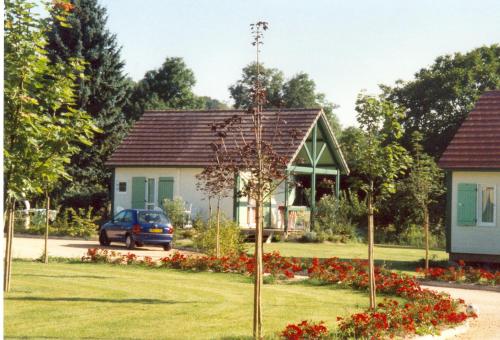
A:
{"x": 476, "y": 145}
{"x": 182, "y": 138}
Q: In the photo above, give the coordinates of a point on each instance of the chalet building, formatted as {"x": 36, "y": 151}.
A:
{"x": 165, "y": 150}
{"x": 472, "y": 165}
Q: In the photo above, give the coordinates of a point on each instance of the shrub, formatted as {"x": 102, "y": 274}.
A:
{"x": 198, "y": 221}
{"x": 309, "y": 237}
{"x": 175, "y": 211}
{"x": 186, "y": 233}
{"x": 76, "y": 223}
{"x": 334, "y": 216}
{"x": 414, "y": 236}
{"x": 231, "y": 240}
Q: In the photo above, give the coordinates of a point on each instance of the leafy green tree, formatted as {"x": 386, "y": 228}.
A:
{"x": 213, "y": 104}
{"x": 297, "y": 92}
{"x": 102, "y": 91}
{"x": 381, "y": 160}
{"x": 440, "y": 97}
{"x": 424, "y": 184}
{"x": 43, "y": 126}
{"x": 300, "y": 91}
{"x": 169, "y": 87}
{"x": 271, "y": 79}
{"x": 352, "y": 141}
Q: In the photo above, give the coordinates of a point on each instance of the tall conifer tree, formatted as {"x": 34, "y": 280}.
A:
{"x": 102, "y": 93}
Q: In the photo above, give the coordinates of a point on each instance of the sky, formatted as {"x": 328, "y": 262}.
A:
{"x": 345, "y": 46}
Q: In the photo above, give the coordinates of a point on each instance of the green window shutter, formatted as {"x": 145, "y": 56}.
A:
{"x": 467, "y": 204}
{"x": 151, "y": 190}
{"x": 165, "y": 189}
{"x": 138, "y": 192}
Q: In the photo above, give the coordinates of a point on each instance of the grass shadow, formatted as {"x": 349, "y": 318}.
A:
{"x": 85, "y": 299}
{"x": 66, "y": 276}
{"x": 397, "y": 246}
{"x": 62, "y": 337}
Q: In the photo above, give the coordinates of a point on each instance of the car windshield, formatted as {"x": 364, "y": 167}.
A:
{"x": 153, "y": 217}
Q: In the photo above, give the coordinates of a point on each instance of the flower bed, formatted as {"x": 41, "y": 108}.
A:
{"x": 305, "y": 330}
{"x": 424, "y": 312}
{"x": 274, "y": 264}
{"x": 462, "y": 273}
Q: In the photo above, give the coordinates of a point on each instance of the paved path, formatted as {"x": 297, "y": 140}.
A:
{"x": 32, "y": 248}
{"x": 487, "y": 325}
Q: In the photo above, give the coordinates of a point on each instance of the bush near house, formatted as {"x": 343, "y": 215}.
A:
{"x": 410, "y": 235}
{"x": 175, "y": 211}
{"x": 231, "y": 239}
{"x": 334, "y": 219}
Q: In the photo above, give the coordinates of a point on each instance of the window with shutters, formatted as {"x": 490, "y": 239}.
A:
{"x": 486, "y": 205}
{"x": 476, "y": 205}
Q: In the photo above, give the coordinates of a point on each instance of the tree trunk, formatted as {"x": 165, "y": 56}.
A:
{"x": 426, "y": 231}
{"x": 8, "y": 244}
{"x": 371, "y": 265}
{"x": 45, "y": 249}
{"x": 209, "y": 212}
{"x": 217, "y": 230}
{"x": 257, "y": 308}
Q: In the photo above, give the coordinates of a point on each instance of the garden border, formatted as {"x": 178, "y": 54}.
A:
{"x": 463, "y": 285}
{"x": 446, "y": 333}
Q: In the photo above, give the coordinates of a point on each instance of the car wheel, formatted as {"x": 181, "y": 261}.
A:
{"x": 167, "y": 246}
{"x": 103, "y": 238}
{"x": 129, "y": 242}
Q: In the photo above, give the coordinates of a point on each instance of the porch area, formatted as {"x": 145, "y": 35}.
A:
{"x": 314, "y": 172}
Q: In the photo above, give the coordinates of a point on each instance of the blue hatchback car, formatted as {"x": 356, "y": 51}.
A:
{"x": 137, "y": 227}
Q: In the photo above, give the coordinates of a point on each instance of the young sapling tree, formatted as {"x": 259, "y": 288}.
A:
{"x": 381, "y": 159}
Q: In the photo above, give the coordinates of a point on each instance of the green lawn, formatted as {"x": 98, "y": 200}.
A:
{"x": 95, "y": 301}
{"x": 394, "y": 257}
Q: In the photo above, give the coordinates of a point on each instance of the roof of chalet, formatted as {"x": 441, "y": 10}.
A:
{"x": 182, "y": 138}
{"x": 476, "y": 145}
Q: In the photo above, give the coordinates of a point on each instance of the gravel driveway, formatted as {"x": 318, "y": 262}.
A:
{"x": 32, "y": 248}
{"x": 487, "y": 325}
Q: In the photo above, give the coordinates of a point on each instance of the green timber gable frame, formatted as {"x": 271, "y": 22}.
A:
{"x": 318, "y": 154}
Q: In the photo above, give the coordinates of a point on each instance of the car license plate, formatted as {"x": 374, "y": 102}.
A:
{"x": 155, "y": 230}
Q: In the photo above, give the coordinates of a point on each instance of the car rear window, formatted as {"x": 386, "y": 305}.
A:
{"x": 153, "y": 217}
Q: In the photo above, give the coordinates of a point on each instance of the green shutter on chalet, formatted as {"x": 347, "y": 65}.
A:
{"x": 165, "y": 189}
{"x": 138, "y": 192}
{"x": 467, "y": 204}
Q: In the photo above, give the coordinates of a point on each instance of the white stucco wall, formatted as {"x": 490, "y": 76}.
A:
{"x": 475, "y": 239}
{"x": 184, "y": 187}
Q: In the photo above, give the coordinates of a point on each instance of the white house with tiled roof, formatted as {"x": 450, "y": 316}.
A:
{"x": 472, "y": 164}
{"x": 165, "y": 150}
